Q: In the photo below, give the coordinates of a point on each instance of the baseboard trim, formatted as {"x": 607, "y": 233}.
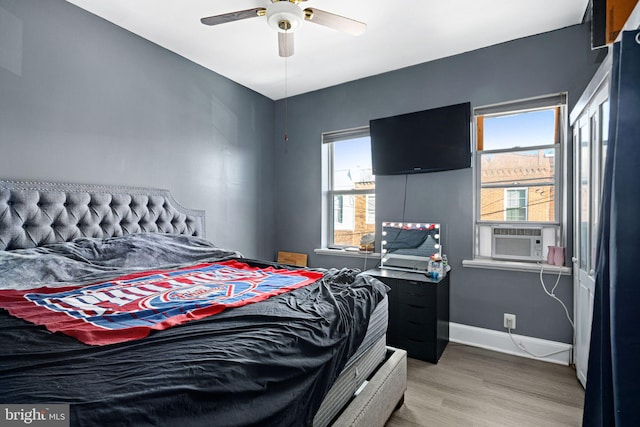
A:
{"x": 500, "y": 342}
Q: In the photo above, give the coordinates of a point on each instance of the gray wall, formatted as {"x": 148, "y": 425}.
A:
{"x": 544, "y": 64}
{"x": 82, "y": 100}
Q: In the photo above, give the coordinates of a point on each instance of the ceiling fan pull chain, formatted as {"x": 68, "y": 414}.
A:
{"x": 286, "y": 109}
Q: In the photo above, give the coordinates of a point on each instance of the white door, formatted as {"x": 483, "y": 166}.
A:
{"x": 590, "y": 141}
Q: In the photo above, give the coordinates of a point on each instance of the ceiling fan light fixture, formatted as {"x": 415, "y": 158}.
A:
{"x": 284, "y": 16}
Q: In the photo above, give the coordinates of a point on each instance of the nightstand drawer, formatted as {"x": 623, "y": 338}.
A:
{"x": 416, "y": 294}
{"x": 416, "y": 331}
{"x": 415, "y": 313}
{"x": 418, "y": 348}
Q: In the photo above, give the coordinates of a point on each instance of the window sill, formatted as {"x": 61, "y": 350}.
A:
{"x": 528, "y": 267}
{"x": 343, "y": 252}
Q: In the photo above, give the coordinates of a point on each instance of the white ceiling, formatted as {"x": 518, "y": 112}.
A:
{"x": 399, "y": 34}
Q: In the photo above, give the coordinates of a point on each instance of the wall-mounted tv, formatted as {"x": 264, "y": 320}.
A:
{"x": 432, "y": 140}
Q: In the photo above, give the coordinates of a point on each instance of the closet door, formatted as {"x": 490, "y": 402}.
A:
{"x": 590, "y": 141}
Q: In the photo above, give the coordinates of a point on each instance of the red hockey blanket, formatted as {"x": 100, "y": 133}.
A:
{"x": 129, "y": 307}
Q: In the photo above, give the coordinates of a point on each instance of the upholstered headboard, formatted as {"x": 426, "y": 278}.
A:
{"x": 36, "y": 213}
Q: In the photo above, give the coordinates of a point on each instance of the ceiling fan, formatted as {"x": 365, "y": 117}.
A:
{"x": 285, "y": 16}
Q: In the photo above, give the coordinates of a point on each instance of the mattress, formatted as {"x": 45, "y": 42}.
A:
{"x": 366, "y": 359}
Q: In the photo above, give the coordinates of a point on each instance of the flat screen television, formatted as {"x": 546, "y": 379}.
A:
{"x": 432, "y": 140}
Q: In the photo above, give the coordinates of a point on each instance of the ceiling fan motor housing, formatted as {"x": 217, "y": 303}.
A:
{"x": 284, "y": 16}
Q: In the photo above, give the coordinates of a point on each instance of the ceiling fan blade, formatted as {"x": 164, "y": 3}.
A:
{"x": 337, "y": 22}
{"x": 285, "y": 44}
{"x": 233, "y": 16}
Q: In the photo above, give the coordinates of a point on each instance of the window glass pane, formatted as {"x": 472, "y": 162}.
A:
{"x": 371, "y": 208}
{"x": 343, "y": 212}
{"x": 604, "y": 108}
{"x": 354, "y": 216}
{"x": 585, "y": 199}
{"x": 352, "y": 164}
{"x": 516, "y": 205}
{"x": 604, "y": 141}
{"x": 521, "y": 168}
{"x": 532, "y": 171}
{"x": 537, "y": 206}
{"x": 525, "y": 129}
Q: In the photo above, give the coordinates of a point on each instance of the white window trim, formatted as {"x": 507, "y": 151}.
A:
{"x": 561, "y": 179}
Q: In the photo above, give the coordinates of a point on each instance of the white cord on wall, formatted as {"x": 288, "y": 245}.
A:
{"x": 539, "y": 356}
{"x": 552, "y": 295}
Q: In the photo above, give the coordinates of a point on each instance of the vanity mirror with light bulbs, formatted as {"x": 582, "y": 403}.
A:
{"x": 409, "y": 246}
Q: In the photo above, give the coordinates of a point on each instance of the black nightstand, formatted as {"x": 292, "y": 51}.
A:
{"x": 418, "y": 313}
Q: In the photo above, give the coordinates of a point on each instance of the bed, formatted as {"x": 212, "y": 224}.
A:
{"x": 307, "y": 354}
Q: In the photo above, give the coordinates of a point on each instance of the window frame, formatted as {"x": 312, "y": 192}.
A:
{"x": 328, "y": 140}
{"x": 560, "y": 177}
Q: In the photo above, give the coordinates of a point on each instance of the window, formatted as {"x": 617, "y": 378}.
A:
{"x": 515, "y": 201}
{"x": 349, "y": 187}
{"x": 338, "y": 209}
{"x": 344, "y": 212}
{"x": 371, "y": 209}
{"x": 519, "y": 148}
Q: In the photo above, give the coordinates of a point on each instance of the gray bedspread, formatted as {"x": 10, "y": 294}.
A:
{"x": 86, "y": 260}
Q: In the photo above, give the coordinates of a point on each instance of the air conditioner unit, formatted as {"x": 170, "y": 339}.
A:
{"x": 516, "y": 243}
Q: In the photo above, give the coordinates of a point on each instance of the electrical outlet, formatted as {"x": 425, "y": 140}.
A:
{"x": 509, "y": 321}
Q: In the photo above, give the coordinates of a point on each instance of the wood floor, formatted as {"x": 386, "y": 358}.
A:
{"x": 475, "y": 387}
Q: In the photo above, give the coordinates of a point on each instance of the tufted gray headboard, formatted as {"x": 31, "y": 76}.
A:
{"x": 36, "y": 213}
